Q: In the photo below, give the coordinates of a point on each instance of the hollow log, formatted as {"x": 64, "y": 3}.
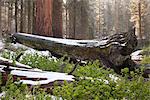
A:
{"x": 113, "y": 51}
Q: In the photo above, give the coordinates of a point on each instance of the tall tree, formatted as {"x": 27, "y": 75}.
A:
{"x": 44, "y": 17}
{"x": 72, "y": 17}
{"x": 10, "y": 15}
{"x": 29, "y": 16}
{"x": 108, "y": 17}
{"x": 126, "y": 15}
{"x": 138, "y": 11}
{"x": 79, "y": 27}
{"x": 16, "y": 15}
{"x": 57, "y": 18}
{"x": 21, "y": 16}
{"x": 33, "y": 16}
{"x": 116, "y": 18}
{"x": 0, "y": 19}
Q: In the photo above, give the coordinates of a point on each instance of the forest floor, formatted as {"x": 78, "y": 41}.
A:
{"x": 91, "y": 80}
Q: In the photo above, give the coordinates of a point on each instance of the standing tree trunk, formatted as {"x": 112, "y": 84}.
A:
{"x": 57, "y": 18}
{"x": 79, "y": 27}
{"x": 44, "y": 17}
{"x": 140, "y": 18}
{"x": 10, "y": 14}
{"x": 21, "y": 17}
{"x": 0, "y": 20}
{"x": 116, "y": 20}
{"x": 29, "y": 16}
{"x": 83, "y": 30}
{"x": 16, "y": 15}
{"x": 72, "y": 18}
{"x": 138, "y": 11}
{"x": 33, "y": 16}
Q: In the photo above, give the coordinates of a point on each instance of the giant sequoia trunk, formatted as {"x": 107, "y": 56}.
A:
{"x": 49, "y": 18}
{"x": 44, "y": 17}
{"x": 113, "y": 51}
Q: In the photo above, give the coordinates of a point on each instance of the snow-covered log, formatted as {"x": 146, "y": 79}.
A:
{"x": 30, "y": 76}
{"x": 114, "y": 51}
{"x": 33, "y": 77}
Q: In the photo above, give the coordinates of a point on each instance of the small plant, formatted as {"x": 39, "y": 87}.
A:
{"x": 102, "y": 87}
{"x": 92, "y": 82}
{"x": 46, "y": 63}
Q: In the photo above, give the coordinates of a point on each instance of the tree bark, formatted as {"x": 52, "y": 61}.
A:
{"x": 44, "y": 17}
{"x": 29, "y": 16}
{"x": 116, "y": 20}
{"x": 16, "y": 15}
{"x": 140, "y": 22}
{"x": 21, "y": 16}
{"x": 113, "y": 51}
{"x": 33, "y": 16}
{"x": 79, "y": 20}
{"x": 57, "y": 18}
{"x": 0, "y": 20}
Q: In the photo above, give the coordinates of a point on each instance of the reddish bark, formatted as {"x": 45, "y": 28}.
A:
{"x": 44, "y": 17}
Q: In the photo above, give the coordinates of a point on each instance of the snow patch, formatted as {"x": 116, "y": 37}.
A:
{"x": 2, "y": 94}
{"x": 17, "y": 45}
{"x": 113, "y": 77}
{"x": 17, "y": 63}
{"x": 1, "y": 45}
{"x": 51, "y": 77}
{"x": 41, "y": 53}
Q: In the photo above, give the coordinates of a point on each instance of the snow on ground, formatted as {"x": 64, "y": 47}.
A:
{"x": 2, "y": 94}
{"x": 25, "y": 50}
{"x": 29, "y": 96}
{"x": 17, "y": 63}
{"x": 30, "y": 50}
{"x": 1, "y": 45}
{"x": 41, "y": 53}
{"x": 113, "y": 78}
{"x": 17, "y": 46}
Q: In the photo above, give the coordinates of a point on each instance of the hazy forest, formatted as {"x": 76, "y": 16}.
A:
{"x": 74, "y": 49}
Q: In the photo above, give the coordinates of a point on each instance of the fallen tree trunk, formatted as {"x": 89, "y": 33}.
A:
{"x": 34, "y": 77}
{"x": 114, "y": 51}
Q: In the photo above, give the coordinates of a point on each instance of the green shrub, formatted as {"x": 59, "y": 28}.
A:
{"x": 92, "y": 82}
{"x": 46, "y": 63}
{"x": 97, "y": 87}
